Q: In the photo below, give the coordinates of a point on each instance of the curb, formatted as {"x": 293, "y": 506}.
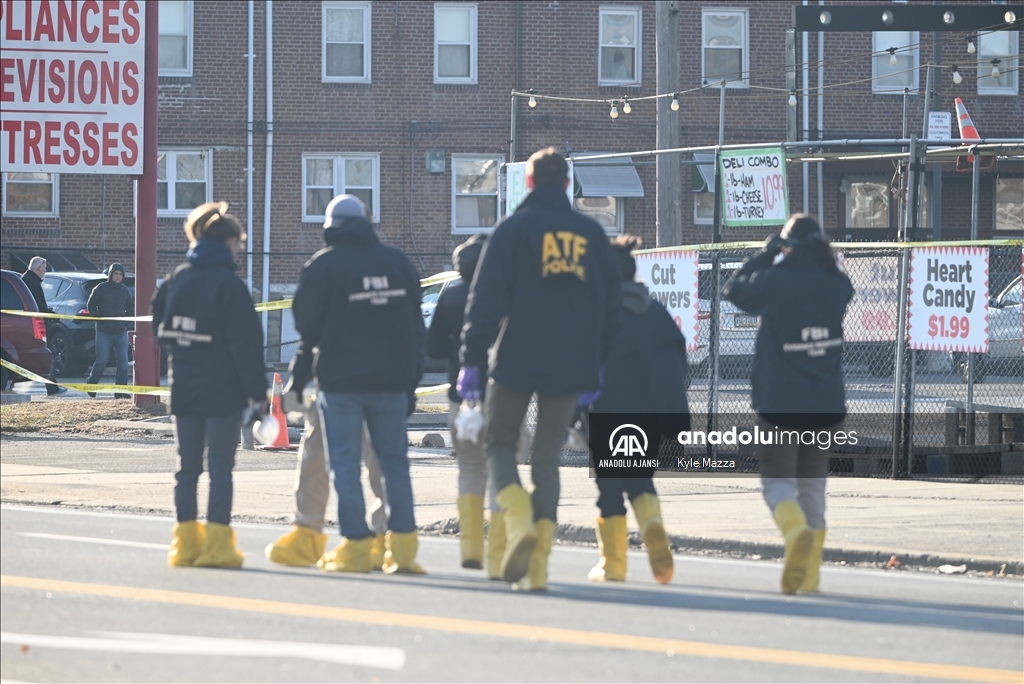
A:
{"x": 14, "y": 398}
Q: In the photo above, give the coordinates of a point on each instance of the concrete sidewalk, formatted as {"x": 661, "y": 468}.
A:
{"x": 922, "y": 523}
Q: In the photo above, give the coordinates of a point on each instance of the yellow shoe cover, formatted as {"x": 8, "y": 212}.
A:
{"x": 611, "y": 539}
{"x": 301, "y": 546}
{"x": 520, "y": 534}
{"x": 377, "y": 553}
{"x": 495, "y": 545}
{"x": 814, "y": 562}
{"x": 187, "y": 541}
{"x": 793, "y": 524}
{"x": 471, "y": 530}
{"x": 537, "y": 577}
{"x": 220, "y": 550}
{"x": 400, "y": 555}
{"x": 348, "y": 556}
{"x": 647, "y": 510}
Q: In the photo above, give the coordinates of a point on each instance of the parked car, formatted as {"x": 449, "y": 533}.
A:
{"x": 737, "y": 330}
{"x": 22, "y": 339}
{"x": 431, "y": 292}
{"x": 72, "y": 342}
{"x": 1005, "y": 329}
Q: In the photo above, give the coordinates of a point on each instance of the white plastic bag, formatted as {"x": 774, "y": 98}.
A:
{"x": 469, "y": 422}
{"x": 266, "y": 429}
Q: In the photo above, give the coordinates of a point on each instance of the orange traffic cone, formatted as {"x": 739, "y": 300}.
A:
{"x": 282, "y": 421}
{"x": 969, "y": 132}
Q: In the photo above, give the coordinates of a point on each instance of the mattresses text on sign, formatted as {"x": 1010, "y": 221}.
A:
{"x": 71, "y": 86}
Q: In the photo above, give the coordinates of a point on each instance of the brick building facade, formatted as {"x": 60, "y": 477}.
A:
{"x": 408, "y": 104}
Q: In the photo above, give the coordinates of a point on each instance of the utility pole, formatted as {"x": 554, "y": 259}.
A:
{"x": 668, "y": 192}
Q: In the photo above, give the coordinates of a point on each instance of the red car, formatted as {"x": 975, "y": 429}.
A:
{"x": 23, "y": 339}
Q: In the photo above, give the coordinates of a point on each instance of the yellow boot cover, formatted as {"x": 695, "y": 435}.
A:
{"x": 471, "y": 530}
{"x": 793, "y": 524}
{"x": 351, "y": 555}
{"x": 400, "y": 555}
{"x": 611, "y": 539}
{"x": 495, "y": 545}
{"x": 647, "y": 510}
{"x": 301, "y": 546}
{"x": 814, "y": 561}
{"x": 187, "y": 541}
{"x": 537, "y": 577}
{"x": 520, "y": 534}
{"x": 219, "y": 551}
{"x": 377, "y": 553}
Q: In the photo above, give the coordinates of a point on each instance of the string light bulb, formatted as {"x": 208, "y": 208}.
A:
{"x": 675, "y": 103}
{"x": 626, "y": 107}
{"x": 1010, "y": 16}
{"x": 971, "y": 48}
{"x": 792, "y": 98}
{"x": 995, "y": 68}
{"x": 957, "y": 78}
{"x": 892, "y": 57}
{"x": 532, "y": 102}
{"x": 614, "y": 113}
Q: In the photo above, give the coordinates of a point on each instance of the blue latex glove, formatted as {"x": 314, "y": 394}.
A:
{"x": 588, "y": 398}
{"x": 468, "y": 384}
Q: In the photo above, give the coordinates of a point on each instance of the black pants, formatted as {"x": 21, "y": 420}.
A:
{"x": 612, "y": 489}
{"x": 193, "y": 434}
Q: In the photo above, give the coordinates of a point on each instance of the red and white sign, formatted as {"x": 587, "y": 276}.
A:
{"x": 871, "y": 315}
{"x": 71, "y": 85}
{"x": 948, "y": 305}
{"x": 671, "y": 277}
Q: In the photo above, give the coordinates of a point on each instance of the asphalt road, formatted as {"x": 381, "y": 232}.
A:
{"x": 88, "y": 597}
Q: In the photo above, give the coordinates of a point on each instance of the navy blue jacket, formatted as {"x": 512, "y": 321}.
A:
{"x": 358, "y": 307}
{"x": 446, "y": 328}
{"x": 204, "y": 315}
{"x": 546, "y": 295}
{"x": 798, "y": 358}
{"x": 111, "y": 300}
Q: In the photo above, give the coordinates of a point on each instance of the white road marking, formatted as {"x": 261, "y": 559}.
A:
{"x": 171, "y": 644}
{"x": 95, "y": 540}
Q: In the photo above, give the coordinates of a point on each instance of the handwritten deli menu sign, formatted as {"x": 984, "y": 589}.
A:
{"x": 754, "y": 187}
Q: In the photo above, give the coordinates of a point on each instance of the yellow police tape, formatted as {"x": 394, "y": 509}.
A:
{"x": 154, "y": 391}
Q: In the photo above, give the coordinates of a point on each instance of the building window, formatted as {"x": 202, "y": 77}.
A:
{"x": 474, "y": 193}
{"x": 887, "y": 77}
{"x": 703, "y": 208}
{"x": 605, "y": 210}
{"x": 726, "y": 53}
{"x": 182, "y": 181}
{"x": 1005, "y": 47}
{"x": 619, "y": 56}
{"x": 1010, "y": 204}
{"x": 325, "y": 176}
{"x": 30, "y": 194}
{"x": 454, "y": 43}
{"x": 175, "y": 50}
{"x": 346, "y": 42}
{"x": 867, "y": 203}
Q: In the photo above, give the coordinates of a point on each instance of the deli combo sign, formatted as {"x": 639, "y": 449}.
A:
{"x": 71, "y": 85}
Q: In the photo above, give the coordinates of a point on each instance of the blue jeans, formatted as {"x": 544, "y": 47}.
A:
{"x": 104, "y": 343}
{"x": 219, "y": 438}
{"x": 342, "y": 415}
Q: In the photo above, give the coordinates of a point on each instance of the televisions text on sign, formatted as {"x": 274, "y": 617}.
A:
{"x": 754, "y": 187}
{"x": 71, "y": 85}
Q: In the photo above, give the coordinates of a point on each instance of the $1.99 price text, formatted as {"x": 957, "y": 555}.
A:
{"x": 955, "y": 326}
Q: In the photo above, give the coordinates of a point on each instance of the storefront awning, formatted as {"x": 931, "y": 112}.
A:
{"x": 608, "y": 177}
{"x": 704, "y": 173}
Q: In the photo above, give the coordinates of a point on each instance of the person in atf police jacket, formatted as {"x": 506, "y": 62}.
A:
{"x": 546, "y": 295}
{"x": 204, "y": 315}
{"x": 111, "y": 299}
{"x": 798, "y": 381}
{"x": 358, "y": 306}
{"x": 645, "y": 374}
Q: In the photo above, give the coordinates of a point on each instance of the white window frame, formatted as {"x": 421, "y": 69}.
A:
{"x": 637, "y": 47}
{"x": 207, "y": 156}
{"x": 499, "y": 161}
{"x": 985, "y": 61}
{"x": 620, "y": 211}
{"x": 473, "y": 42}
{"x": 338, "y": 159}
{"x": 190, "y": 39}
{"x": 879, "y": 50}
{"x": 743, "y": 82}
{"x": 55, "y": 203}
{"x": 367, "y": 35}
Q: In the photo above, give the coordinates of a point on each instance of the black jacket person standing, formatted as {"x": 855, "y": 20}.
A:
{"x": 111, "y": 299}
{"x": 33, "y": 278}
{"x": 204, "y": 314}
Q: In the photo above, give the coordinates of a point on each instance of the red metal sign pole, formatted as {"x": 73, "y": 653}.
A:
{"x": 146, "y": 355}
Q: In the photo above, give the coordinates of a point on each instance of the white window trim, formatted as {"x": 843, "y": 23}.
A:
{"x": 367, "y": 35}
{"x": 1015, "y": 47}
{"x": 55, "y": 181}
{"x": 190, "y": 39}
{"x": 915, "y": 52}
{"x": 497, "y": 194}
{"x": 473, "y": 41}
{"x": 701, "y": 220}
{"x": 620, "y": 213}
{"x": 637, "y": 47}
{"x": 207, "y": 156}
{"x": 339, "y": 169}
{"x": 745, "y": 65}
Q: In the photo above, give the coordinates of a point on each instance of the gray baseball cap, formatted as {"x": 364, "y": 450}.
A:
{"x": 341, "y": 208}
